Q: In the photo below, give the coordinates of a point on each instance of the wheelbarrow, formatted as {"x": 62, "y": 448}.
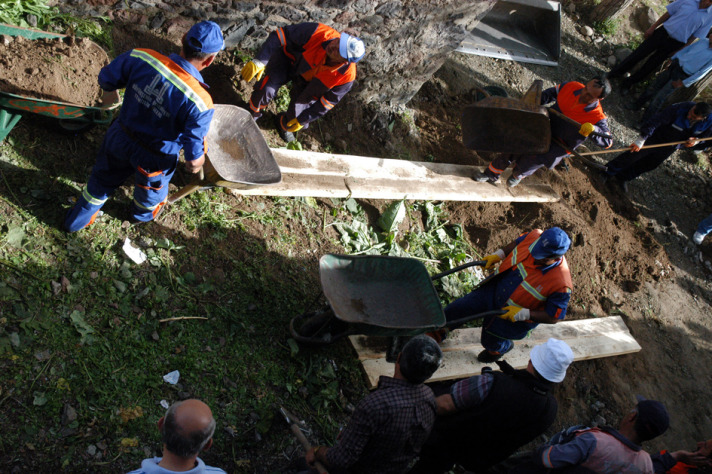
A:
{"x": 376, "y": 295}
{"x": 508, "y": 125}
{"x": 72, "y": 118}
{"x": 238, "y": 156}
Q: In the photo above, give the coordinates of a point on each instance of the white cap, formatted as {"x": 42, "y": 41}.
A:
{"x": 551, "y": 359}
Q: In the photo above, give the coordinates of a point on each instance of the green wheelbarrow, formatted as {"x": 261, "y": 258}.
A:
{"x": 376, "y": 295}
{"x": 72, "y": 118}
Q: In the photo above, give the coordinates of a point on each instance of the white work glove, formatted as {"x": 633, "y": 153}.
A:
{"x": 637, "y": 145}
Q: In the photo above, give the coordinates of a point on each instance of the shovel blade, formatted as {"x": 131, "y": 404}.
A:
{"x": 506, "y": 125}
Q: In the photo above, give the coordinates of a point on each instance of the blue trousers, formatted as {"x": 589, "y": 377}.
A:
{"x": 118, "y": 159}
{"x": 705, "y": 226}
{"x": 278, "y": 72}
{"x": 497, "y": 333}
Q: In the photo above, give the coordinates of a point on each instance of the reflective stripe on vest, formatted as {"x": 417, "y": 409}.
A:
{"x": 177, "y": 76}
{"x": 569, "y": 105}
{"x": 536, "y": 286}
{"x": 315, "y": 55}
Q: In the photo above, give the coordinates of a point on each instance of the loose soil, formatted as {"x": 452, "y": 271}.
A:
{"x": 631, "y": 254}
{"x": 54, "y": 69}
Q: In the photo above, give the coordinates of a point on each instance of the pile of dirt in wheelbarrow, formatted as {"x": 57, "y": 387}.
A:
{"x": 58, "y": 70}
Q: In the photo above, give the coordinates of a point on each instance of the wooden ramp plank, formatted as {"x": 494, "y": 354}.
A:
{"x": 314, "y": 174}
{"x": 588, "y": 338}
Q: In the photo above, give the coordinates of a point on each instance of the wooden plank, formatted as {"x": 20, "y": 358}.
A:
{"x": 314, "y": 174}
{"x": 588, "y": 338}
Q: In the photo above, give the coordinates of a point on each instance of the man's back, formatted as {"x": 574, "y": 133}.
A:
{"x": 387, "y": 429}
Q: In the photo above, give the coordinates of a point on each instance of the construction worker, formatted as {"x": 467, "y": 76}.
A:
{"x": 685, "y": 121}
{"x": 186, "y": 429}
{"x": 485, "y": 418}
{"x": 683, "y": 21}
{"x": 532, "y": 285}
{"x": 603, "y": 450}
{"x": 320, "y": 62}
{"x": 166, "y": 109}
{"x": 389, "y": 426}
{"x": 704, "y": 228}
{"x": 683, "y": 462}
{"x": 688, "y": 66}
{"x": 577, "y": 101}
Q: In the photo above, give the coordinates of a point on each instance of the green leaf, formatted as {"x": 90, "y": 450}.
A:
{"x": 294, "y": 145}
{"x": 352, "y": 206}
{"x": 40, "y": 399}
{"x": 392, "y": 216}
{"x": 293, "y": 347}
{"x": 82, "y": 327}
{"x": 15, "y": 339}
{"x": 311, "y": 202}
{"x": 15, "y": 236}
{"x": 120, "y": 285}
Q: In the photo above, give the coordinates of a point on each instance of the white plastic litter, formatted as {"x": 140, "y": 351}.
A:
{"x": 165, "y": 404}
{"x": 133, "y": 253}
{"x": 172, "y": 377}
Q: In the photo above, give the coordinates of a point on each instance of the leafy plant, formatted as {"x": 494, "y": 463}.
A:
{"x": 282, "y": 99}
{"x": 606, "y": 27}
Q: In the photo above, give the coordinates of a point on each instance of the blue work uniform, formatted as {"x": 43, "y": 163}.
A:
{"x": 493, "y": 294}
{"x": 166, "y": 109}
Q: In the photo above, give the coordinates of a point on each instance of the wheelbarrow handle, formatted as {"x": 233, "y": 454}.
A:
{"x": 475, "y": 263}
{"x": 459, "y": 322}
{"x": 574, "y": 122}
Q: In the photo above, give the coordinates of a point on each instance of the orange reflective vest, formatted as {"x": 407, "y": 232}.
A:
{"x": 536, "y": 286}
{"x": 569, "y": 105}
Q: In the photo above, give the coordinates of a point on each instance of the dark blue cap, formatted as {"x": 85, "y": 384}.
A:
{"x": 205, "y": 37}
{"x": 552, "y": 242}
{"x": 653, "y": 419}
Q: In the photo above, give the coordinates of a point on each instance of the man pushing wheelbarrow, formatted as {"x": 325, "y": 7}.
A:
{"x": 532, "y": 285}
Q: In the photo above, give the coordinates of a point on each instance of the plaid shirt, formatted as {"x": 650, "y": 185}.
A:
{"x": 387, "y": 429}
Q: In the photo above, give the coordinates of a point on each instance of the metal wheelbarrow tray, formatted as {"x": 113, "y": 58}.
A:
{"x": 72, "y": 117}
{"x": 238, "y": 156}
{"x": 375, "y": 295}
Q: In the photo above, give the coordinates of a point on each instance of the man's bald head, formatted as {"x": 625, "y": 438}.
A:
{"x": 187, "y": 427}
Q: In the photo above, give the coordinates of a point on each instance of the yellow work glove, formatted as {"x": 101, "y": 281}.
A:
{"x": 253, "y": 69}
{"x": 515, "y": 313}
{"x": 493, "y": 259}
{"x": 294, "y": 125}
{"x": 586, "y": 129}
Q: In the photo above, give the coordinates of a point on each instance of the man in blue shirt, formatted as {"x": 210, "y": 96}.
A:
{"x": 688, "y": 66}
{"x": 686, "y": 121}
{"x": 186, "y": 429}
{"x": 684, "y": 21}
{"x": 166, "y": 108}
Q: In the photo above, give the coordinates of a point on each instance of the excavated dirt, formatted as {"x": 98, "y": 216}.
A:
{"x": 59, "y": 70}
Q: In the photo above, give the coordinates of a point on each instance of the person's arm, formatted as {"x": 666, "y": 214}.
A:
{"x": 602, "y": 127}
{"x": 549, "y": 95}
{"x": 445, "y": 405}
{"x": 193, "y": 139}
{"x": 465, "y": 394}
{"x": 555, "y": 309}
{"x": 699, "y": 74}
{"x": 353, "y": 438}
{"x": 568, "y": 454}
{"x": 115, "y": 74}
{"x": 659, "y": 22}
{"x": 287, "y": 37}
{"x": 317, "y": 453}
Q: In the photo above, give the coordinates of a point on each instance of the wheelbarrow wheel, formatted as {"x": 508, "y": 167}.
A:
{"x": 318, "y": 328}
{"x": 73, "y": 127}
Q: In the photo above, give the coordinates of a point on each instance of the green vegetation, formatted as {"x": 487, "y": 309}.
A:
{"x": 281, "y": 100}
{"x": 16, "y": 12}
{"x": 606, "y": 27}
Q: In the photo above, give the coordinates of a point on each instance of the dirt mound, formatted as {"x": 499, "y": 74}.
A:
{"x": 59, "y": 70}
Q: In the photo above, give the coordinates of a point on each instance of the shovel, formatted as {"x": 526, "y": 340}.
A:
{"x": 294, "y": 427}
{"x": 507, "y": 125}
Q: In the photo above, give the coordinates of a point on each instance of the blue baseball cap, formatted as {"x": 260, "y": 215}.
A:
{"x": 351, "y": 48}
{"x": 653, "y": 419}
{"x": 552, "y": 242}
{"x": 205, "y": 37}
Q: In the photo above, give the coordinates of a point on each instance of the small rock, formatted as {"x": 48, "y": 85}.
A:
{"x": 646, "y": 18}
{"x": 258, "y": 437}
{"x": 598, "y": 40}
{"x": 622, "y": 53}
{"x": 586, "y": 30}
{"x": 5, "y": 40}
{"x": 570, "y": 8}
{"x": 31, "y": 20}
{"x": 66, "y": 286}
{"x": 56, "y": 287}
{"x": 155, "y": 336}
{"x": 69, "y": 414}
{"x": 101, "y": 445}
{"x": 91, "y": 450}
{"x": 230, "y": 431}
{"x": 599, "y": 421}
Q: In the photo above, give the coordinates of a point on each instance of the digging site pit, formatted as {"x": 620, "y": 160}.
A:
{"x": 631, "y": 254}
